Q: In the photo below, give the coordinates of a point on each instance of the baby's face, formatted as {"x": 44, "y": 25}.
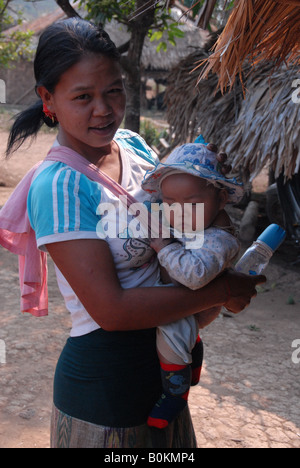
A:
{"x": 186, "y": 188}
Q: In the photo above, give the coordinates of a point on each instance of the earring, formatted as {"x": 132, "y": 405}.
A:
{"x": 49, "y": 114}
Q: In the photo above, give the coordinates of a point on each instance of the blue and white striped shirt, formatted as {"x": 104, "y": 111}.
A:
{"x": 63, "y": 204}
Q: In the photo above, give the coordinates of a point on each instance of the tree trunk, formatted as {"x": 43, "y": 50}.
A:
{"x": 133, "y": 81}
{"x": 140, "y": 26}
{"x": 206, "y": 13}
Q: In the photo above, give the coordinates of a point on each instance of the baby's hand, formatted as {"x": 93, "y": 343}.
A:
{"x": 158, "y": 244}
{"x": 221, "y": 157}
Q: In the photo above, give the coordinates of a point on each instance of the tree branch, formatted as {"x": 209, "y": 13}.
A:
{"x": 4, "y": 7}
{"x": 67, "y": 8}
{"x": 206, "y": 13}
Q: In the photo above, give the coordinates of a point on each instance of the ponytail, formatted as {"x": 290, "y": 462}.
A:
{"x": 27, "y": 124}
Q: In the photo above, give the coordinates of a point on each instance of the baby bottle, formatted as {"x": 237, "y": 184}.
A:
{"x": 257, "y": 257}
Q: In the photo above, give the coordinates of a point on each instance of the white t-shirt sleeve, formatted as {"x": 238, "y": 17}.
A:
{"x": 62, "y": 205}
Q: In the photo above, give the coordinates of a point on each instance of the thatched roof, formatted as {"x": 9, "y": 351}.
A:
{"x": 39, "y": 24}
{"x": 163, "y": 60}
{"x": 151, "y": 59}
{"x": 193, "y": 108}
{"x": 268, "y": 127}
{"x": 257, "y": 30}
{"x": 263, "y": 128}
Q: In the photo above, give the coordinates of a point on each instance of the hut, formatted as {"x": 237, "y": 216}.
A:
{"x": 245, "y": 96}
{"x": 19, "y": 77}
{"x": 263, "y": 128}
{"x": 258, "y": 31}
{"x": 156, "y": 65}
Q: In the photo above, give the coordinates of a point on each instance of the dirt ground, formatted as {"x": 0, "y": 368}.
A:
{"x": 249, "y": 393}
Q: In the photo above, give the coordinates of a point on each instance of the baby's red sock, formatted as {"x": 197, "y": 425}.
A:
{"x": 176, "y": 384}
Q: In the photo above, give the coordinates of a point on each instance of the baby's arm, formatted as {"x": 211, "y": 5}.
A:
{"x": 195, "y": 268}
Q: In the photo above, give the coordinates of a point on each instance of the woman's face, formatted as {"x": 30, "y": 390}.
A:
{"x": 89, "y": 102}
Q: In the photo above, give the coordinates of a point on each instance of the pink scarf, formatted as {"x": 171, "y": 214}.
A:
{"x": 17, "y": 235}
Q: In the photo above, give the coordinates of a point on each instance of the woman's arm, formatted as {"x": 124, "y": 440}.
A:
{"x": 89, "y": 268}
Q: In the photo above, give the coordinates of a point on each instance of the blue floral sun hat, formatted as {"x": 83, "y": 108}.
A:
{"x": 195, "y": 159}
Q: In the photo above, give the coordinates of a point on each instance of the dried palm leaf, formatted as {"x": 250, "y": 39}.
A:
{"x": 257, "y": 30}
{"x": 193, "y": 108}
{"x": 263, "y": 129}
{"x": 268, "y": 128}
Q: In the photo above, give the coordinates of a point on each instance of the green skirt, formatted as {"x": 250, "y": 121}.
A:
{"x": 105, "y": 385}
{"x": 68, "y": 432}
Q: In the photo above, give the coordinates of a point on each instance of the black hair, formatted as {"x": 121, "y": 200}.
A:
{"x": 61, "y": 46}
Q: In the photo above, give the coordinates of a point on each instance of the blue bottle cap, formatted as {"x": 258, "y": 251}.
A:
{"x": 273, "y": 236}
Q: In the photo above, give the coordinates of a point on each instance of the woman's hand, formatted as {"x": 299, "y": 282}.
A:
{"x": 240, "y": 289}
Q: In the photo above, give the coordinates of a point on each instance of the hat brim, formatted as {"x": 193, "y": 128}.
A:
{"x": 152, "y": 179}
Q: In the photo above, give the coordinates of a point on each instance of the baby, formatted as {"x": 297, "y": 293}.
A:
{"x": 191, "y": 175}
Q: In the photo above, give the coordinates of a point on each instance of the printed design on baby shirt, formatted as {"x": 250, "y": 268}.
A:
{"x": 137, "y": 250}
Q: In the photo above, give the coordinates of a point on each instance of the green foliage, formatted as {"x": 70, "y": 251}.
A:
{"x": 125, "y": 12}
{"x": 164, "y": 30}
{"x": 106, "y": 10}
{"x": 13, "y": 45}
{"x": 195, "y": 5}
{"x": 172, "y": 32}
{"x": 230, "y": 4}
{"x": 291, "y": 300}
{"x": 221, "y": 7}
{"x": 150, "y": 133}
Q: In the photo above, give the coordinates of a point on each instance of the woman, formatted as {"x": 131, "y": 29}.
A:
{"x": 107, "y": 378}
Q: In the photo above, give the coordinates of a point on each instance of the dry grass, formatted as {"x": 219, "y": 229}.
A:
{"x": 257, "y": 30}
